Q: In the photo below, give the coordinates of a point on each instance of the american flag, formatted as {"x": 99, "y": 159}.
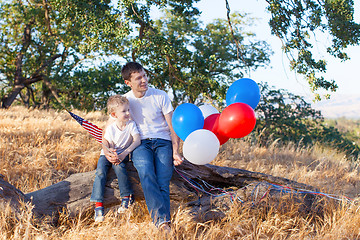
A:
{"x": 91, "y": 128}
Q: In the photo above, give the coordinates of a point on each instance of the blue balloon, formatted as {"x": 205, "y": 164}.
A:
{"x": 244, "y": 90}
{"x": 187, "y": 118}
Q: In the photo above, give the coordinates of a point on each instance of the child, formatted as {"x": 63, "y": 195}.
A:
{"x": 121, "y": 138}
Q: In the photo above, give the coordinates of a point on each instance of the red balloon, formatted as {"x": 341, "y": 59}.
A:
{"x": 236, "y": 120}
{"x": 211, "y": 123}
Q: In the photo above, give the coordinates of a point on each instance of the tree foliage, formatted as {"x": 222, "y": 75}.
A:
{"x": 43, "y": 43}
{"x": 289, "y": 118}
{"x": 179, "y": 53}
{"x": 298, "y": 22}
{"x": 90, "y": 88}
{"x": 197, "y": 62}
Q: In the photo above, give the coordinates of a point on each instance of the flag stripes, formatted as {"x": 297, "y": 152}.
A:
{"x": 94, "y": 130}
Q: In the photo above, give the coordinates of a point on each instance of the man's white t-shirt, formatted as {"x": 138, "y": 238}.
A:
{"x": 148, "y": 113}
{"x": 120, "y": 139}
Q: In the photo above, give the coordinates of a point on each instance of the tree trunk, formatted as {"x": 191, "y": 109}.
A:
{"x": 253, "y": 188}
{"x": 11, "y": 196}
{"x": 74, "y": 192}
{"x": 7, "y": 101}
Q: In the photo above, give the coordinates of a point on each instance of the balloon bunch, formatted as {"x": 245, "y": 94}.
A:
{"x": 203, "y": 129}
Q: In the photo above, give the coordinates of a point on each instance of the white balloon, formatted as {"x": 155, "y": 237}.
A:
{"x": 207, "y": 110}
{"x": 201, "y": 147}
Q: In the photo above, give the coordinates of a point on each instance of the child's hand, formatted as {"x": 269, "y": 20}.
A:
{"x": 111, "y": 156}
{"x": 117, "y": 162}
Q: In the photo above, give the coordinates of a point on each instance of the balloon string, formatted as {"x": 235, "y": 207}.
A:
{"x": 211, "y": 188}
{"x": 254, "y": 194}
{"x": 287, "y": 189}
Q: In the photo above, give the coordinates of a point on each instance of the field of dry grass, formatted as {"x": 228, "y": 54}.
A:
{"x": 40, "y": 148}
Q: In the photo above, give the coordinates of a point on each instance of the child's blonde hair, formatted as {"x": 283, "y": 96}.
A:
{"x": 115, "y": 101}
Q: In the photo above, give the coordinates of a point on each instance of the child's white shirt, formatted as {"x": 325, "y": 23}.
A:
{"x": 119, "y": 139}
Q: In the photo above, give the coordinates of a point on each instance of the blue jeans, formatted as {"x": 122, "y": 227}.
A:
{"x": 153, "y": 160}
{"x": 102, "y": 169}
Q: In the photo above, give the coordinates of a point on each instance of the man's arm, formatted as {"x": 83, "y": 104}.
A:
{"x": 178, "y": 159}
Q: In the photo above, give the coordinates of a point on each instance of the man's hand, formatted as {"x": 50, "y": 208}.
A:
{"x": 122, "y": 156}
{"x": 178, "y": 159}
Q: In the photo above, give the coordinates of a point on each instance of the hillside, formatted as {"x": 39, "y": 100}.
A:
{"x": 341, "y": 105}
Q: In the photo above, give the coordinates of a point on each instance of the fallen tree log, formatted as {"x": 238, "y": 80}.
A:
{"x": 13, "y": 198}
{"x": 73, "y": 193}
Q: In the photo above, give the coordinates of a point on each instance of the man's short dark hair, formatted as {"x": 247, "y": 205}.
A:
{"x": 130, "y": 68}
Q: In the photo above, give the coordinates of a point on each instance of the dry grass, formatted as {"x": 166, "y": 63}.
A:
{"x": 40, "y": 148}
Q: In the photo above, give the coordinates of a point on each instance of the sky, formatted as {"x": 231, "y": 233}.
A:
{"x": 278, "y": 73}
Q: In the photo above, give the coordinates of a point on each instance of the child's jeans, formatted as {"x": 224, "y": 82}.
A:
{"x": 102, "y": 169}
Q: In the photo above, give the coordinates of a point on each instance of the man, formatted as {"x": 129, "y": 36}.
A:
{"x": 152, "y": 111}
